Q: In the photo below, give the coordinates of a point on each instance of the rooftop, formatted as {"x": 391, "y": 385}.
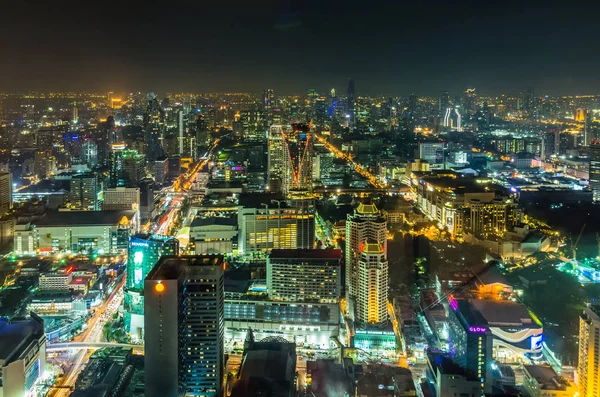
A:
{"x": 79, "y": 218}
{"x": 15, "y": 336}
{"x": 171, "y": 267}
{"x": 328, "y": 253}
{"x": 220, "y": 221}
{"x": 367, "y": 209}
{"x": 444, "y": 364}
{"x": 546, "y": 377}
{"x": 500, "y": 313}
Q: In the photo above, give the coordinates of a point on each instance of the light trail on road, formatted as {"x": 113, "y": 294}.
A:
{"x": 373, "y": 180}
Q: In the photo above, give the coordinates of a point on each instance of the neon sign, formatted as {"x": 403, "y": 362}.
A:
{"x": 453, "y": 303}
{"x": 477, "y": 330}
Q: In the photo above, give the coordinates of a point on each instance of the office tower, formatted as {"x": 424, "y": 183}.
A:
{"x": 298, "y": 157}
{"x": 350, "y": 103}
{"x": 6, "y": 190}
{"x": 184, "y": 325}
{"x": 121, "y": 198}
{"x": 444, "y": 102}
{"x": 146, "y": 199}
{"x": 133, "y": 167}
{"x": 304, "y": 275}
{"x": 529, "y": 103}
{"x": 143, "y": 252}
{"x": 470, "y": 339}
{"x": 153, "y": 128}
{"x": 287, "y": 226}
{"x": 594, "y": 169}
{"x": 89, "y": 153}
{"x": 432, "y": 152}
{"x": 491, "y": 218}
{"x": 367, "y": 222}
{"x": 277, "y": 156}
{"x": 269, "y": 103}
{"x": 372, "y": 297}
{"x": 44, "y": 163}
{"x": 588, "y": 369}
{"x": 84, "y": 192}
{"x": 180, "y": 128}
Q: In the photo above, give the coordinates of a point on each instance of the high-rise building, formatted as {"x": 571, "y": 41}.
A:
{"x": 594, "y": 169}
{"x": 351, "y": 103}
{"x": 143, "y": 252}
{"x": 277, "y": 156}
{"x": 269, "y": 103}
{"x": 372, "y": 297}
{"x": 304, "y": 275}
{"x": 133, "y": 167}
{"x": 84, "y": 192}
{"x": 6, "y": 188}
{"x": 588, "y": 369}
{"x": 146, "y": 199}
{"x": 367, "y": 222}
{"x": 154, "y": 125}
{"x": 184, "y": 325}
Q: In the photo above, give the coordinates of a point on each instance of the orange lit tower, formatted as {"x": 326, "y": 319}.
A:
{"x": 371, "y": 302}
{"x": 184, "y": 326}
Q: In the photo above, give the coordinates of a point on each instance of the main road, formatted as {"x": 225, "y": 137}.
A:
{"x": 93, "y": 333}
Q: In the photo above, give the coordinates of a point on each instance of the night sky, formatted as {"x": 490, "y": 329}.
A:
{"x": 391, "y": 48}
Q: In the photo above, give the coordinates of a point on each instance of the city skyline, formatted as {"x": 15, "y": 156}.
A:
{"x": 399, "y": 48}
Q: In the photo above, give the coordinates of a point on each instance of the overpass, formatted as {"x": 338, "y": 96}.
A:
{"x": 88, "y": 345}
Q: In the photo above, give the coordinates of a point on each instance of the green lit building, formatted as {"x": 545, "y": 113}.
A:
{"x": 144, "y": 250}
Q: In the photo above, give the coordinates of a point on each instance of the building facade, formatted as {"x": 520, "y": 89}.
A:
{"x": 304, "y": 275}
{"x": 69, "y": 231}
{"x": 6, "y": 188}
{"x": 262, "y": 229}
{"x": 23, "y": 356}
{"x": 143, "y": 252}
{"x": 594, "y": 169}
{"x": 121, "y": 198}
{"x": 184, "y": 307}
{"x": 367, "y": 222}
{"x": 372, "y": 297}
{"x": 588, "y": 369}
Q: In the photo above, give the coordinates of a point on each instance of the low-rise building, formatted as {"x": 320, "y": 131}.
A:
{"x": 214, "y": 235}
{"x": 71, "y": 231}
{"x": 543, "y": 381}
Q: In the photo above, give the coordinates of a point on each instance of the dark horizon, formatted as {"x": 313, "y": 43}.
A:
{"x": 394, "y": 49}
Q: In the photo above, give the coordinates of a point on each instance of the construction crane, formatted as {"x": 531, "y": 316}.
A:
{"x": 577, "y": 243}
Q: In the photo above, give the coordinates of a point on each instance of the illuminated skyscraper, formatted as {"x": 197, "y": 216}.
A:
{"x": 367, "y": 222}
{"x": 594, "y": 169}
{"x": 143, "y": 252}
{"x": 153, "y": 128}
{"x": 184, "y": 323}
{"x": 84, "y": 192}
{"x": 276, "y": 156}
{"x": 588, "y": 369}
{"x": 371, "y": 302}
{"x": 269, "y": 102}
{"x": 6, "y": 190}
{"x": 350, "y": 103}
